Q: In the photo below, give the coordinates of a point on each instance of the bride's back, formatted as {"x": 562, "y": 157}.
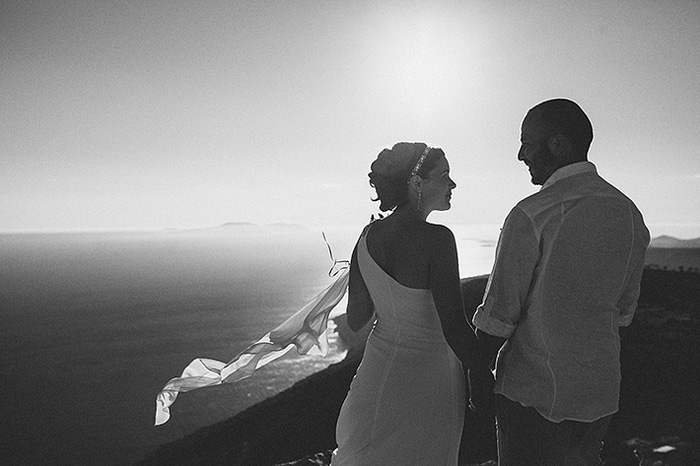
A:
{"x": 401, "y": 246}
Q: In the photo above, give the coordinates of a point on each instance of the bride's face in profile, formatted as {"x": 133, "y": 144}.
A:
{"x": 437, "y": 187}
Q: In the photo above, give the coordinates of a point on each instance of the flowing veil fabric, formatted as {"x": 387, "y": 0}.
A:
{"x": 306, "y": 331}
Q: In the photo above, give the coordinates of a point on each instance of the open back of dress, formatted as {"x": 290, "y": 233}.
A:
{"x": 406, "y": 403}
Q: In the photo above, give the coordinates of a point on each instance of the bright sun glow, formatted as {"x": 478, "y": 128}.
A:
{"x": 422, "y": 54}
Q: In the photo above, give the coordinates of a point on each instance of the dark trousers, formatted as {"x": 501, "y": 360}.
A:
{"x": 525, "y": 438}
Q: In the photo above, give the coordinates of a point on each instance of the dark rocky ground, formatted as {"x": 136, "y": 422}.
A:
{"x": 659, "y": 401}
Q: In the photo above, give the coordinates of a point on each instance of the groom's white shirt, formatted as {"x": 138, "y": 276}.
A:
{"x": 567, "y": 271}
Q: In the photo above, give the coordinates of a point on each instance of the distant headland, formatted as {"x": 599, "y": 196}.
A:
{"x": 671, "y": 242}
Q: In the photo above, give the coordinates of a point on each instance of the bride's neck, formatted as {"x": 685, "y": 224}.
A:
{"x": 408, "y": 212}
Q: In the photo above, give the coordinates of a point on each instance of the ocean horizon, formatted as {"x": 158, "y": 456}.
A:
{"x": 94, "y": 324}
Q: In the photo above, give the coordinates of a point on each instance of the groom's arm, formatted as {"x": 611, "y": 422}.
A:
{"x": 488, "y": 345}
{"x": 481, "y": 378}
{"x": 506, "y": 292}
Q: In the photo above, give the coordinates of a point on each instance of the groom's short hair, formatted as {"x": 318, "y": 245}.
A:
{"x": 565, "y": 117}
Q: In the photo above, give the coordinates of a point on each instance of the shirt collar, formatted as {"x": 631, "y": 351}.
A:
{"x": 569, "y": 170}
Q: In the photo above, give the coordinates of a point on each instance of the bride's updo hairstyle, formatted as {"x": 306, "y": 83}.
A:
{"x": 392, "y": 170}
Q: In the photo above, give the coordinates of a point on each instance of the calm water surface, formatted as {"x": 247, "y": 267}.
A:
{"x": 93, "y": 325}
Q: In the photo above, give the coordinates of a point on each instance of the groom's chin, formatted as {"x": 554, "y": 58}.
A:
{"x": 537, "y": 180}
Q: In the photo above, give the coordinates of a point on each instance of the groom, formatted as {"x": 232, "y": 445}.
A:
{"x": 565, "y": 281}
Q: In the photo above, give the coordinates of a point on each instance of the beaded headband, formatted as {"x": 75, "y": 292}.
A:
{"x": 419, "y": 163}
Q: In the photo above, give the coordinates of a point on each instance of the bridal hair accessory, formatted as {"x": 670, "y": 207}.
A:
{"x": 395, "y": 162}
{"x": 306, "y": 330}
{"x": 419, "y": 163}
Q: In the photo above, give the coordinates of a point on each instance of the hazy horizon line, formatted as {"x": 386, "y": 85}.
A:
{"x": 660, "y": 227}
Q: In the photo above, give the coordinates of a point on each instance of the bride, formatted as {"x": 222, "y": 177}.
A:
{"x": 406, "y": 403}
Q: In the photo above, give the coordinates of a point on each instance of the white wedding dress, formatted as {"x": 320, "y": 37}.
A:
{"x": 406, "y": 403}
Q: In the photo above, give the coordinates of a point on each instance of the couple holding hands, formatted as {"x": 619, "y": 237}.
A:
{"x": 564, "y": 284}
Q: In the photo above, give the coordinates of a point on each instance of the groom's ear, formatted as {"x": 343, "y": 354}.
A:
{"x": 559, "y": 145}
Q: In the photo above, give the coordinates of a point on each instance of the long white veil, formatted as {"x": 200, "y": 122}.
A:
{"x": 306, "y": 331}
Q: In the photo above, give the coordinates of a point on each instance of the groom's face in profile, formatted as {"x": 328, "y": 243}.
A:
{"x": 534, "y": 150}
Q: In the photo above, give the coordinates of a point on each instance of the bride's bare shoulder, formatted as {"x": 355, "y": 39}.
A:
{"x": 440, "y": 232}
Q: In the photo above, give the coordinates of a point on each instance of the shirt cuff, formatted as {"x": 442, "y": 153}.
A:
{"x": 625, "y": 319}
{"x": 486, "y": 322}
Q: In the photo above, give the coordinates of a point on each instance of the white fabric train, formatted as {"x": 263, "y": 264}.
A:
{"x": 306, "y": 330}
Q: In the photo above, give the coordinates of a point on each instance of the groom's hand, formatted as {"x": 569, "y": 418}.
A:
{"x": 481, "y": 380}
{"x": 481, "y": 396}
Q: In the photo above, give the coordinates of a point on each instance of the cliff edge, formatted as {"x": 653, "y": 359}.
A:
{"x": 659, "y": 417}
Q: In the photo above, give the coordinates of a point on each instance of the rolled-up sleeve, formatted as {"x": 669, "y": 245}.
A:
{"x": 627, "y": 303}
{"x": 506, "y": 293}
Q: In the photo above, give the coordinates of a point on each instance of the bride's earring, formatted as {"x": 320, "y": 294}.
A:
{"x": 418, "y": 205}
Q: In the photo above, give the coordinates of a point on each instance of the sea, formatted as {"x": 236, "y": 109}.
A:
{"x": 93, "y": 325}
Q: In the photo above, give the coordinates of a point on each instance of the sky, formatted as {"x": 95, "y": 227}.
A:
{"x": 120, "y": 115}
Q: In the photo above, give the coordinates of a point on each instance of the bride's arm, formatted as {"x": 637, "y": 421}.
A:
{"x": 447, "y": 294}
{"x": 360, "y": 305}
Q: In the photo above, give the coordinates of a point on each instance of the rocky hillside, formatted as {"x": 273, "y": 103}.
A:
{"x": 659, "y": 404}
